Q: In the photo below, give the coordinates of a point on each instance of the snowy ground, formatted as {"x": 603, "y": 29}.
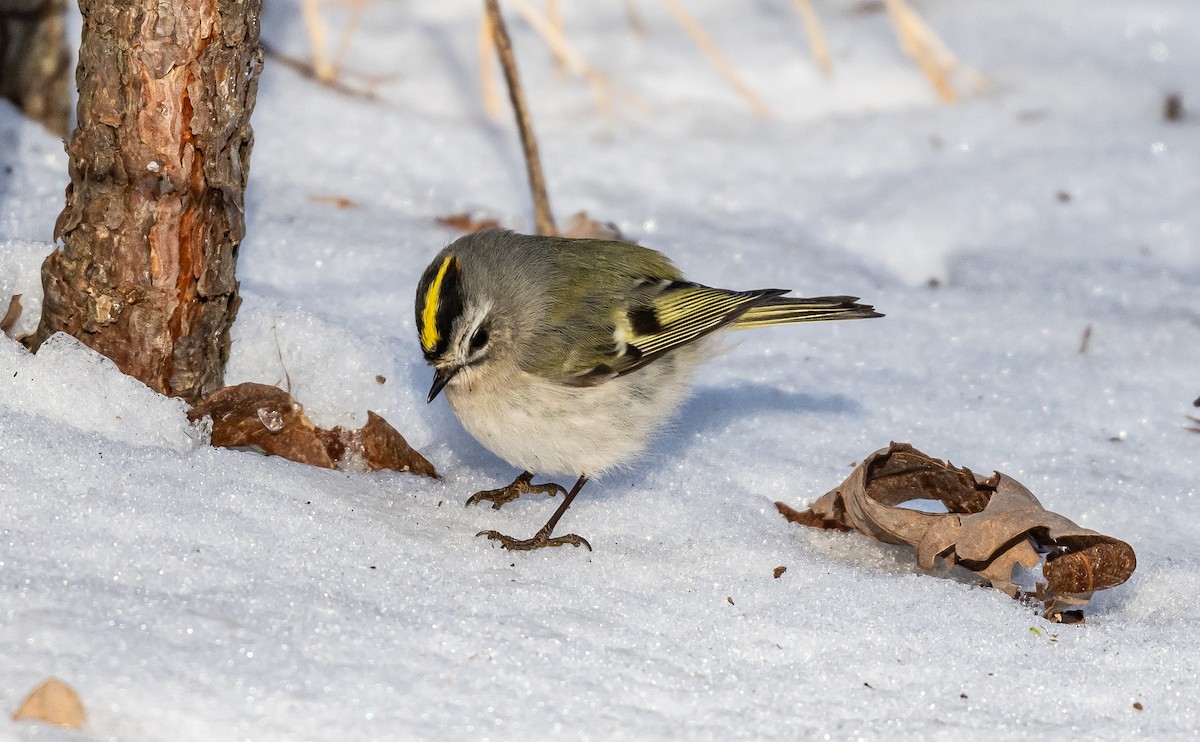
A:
{"x": 198, "y": 594}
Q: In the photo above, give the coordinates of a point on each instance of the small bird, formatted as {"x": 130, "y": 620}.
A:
{"x": 565, "y": 356}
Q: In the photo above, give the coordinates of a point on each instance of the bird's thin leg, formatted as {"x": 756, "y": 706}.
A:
{"x": 542, "y": 537}
{"x": 520, "y": 486}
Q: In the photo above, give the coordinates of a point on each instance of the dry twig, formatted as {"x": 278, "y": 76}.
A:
{"x": 543, "y": 218}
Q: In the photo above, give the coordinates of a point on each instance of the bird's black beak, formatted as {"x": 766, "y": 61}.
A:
{"x": 441, "y": 377}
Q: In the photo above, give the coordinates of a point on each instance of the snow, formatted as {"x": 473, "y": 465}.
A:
{"x": 191, "y": 593}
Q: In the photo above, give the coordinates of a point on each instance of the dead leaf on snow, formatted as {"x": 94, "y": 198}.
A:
{"x": 267, "y": 419}
{"x": 11, "y": 315}
{"x": 991, "y": 526}
{"x": 53, "y": 702}
{"x": 580, "y": 225}
{"x": 467, "y": 222}
{"x": 339, "y": 201}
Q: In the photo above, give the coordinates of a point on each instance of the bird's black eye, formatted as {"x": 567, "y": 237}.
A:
{"x": 479, "y": 339}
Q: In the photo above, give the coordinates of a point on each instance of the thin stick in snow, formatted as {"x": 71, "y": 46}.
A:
{"x": 542, "y": 217}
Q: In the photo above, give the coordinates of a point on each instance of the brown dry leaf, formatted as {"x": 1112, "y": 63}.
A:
{"x": 264, "y": 418}
{"x": 380, "y": 446}
{"x": 580, "y": 225}
{"x": 339, "y": 201}
{"x": 268, "y": 419}
{"x": 53, "y": 702}
{"x": 992, "y": 525}
{"x": 11, "y": 315}
{"x": 468, "y": 223}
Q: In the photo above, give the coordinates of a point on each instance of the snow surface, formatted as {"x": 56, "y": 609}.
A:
{"x": 190, "y": 593}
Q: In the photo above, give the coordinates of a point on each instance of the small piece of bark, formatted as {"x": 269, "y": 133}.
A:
{"x": 991, "y": 525}
{"x": 53, "y": 702}
{"x": 267, "y": 419}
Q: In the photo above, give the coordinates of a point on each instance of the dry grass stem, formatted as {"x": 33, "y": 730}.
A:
{"x": 322, "y": 68}
{"x": 689, "y": 23}
{"x": 567, "y": 56}
{"x": 555, "y": 18}
{"x": 356, "y": 12}
{"x": 487, "y": 61}
{"x": 816, "y": 36}
{"x": 543, "y": 219}
{"x": 307, "y": 69}
{"x": 921, "y": 43}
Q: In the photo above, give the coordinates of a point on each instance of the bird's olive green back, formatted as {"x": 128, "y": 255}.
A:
{"x": 624, "y": 307}
{"x": 604, "y": 279}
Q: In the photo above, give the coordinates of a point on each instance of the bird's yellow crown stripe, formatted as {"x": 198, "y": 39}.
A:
{"x": 429, "y": 331}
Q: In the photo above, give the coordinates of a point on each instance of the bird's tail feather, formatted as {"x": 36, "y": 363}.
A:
{"x": 781, "y": 310}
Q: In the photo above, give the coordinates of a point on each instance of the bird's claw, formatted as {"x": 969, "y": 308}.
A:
{"x": 504, "y": 495}
{"x": 540, "y": 540}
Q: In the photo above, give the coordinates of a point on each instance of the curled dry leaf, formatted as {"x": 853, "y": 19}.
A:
{"x": 267, "y": 419}
{"x": 11, "y": 315}
{"x": 53, "y": 702}
{"x": 991, "y": 525}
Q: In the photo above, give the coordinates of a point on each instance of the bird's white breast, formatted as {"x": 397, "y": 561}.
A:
{"x": 550, "y": 428}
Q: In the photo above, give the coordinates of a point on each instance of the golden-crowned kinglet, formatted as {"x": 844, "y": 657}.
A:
{"x": 564, "y": 356}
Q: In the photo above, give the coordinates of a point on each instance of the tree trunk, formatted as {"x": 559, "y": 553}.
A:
{"x": 158, "y": 166}
{"x": 35, "y": 62}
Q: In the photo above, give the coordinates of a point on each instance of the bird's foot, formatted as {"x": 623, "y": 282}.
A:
{"x": 540, "y": 540}
{"x": 504, "y": 495}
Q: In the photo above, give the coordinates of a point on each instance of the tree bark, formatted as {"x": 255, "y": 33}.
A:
{"x": 154, "y": 211}
{"x": 35, "y": 62}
